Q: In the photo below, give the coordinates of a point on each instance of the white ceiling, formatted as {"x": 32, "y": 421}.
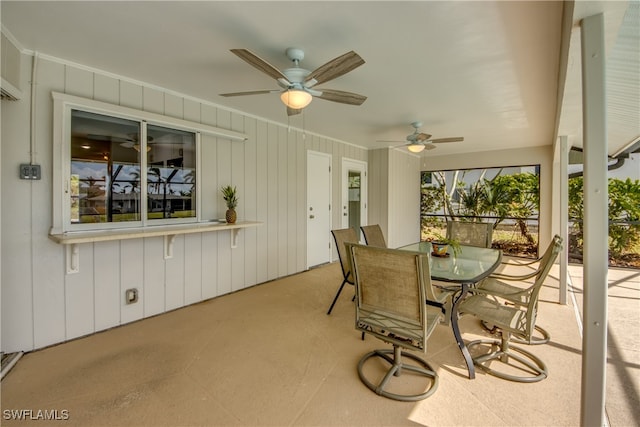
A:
{"x": 485, "y": 70}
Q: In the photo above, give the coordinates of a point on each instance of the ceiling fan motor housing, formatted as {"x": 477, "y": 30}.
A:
{"x": 295, "y": 54}
{"x": 296, "y": 75}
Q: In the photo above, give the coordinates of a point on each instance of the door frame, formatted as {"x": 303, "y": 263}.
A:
{"x": 362, "y": 167}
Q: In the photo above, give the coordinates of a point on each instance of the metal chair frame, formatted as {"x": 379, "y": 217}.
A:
{"x": 373, "y": 235}
{"x": 390, "y": 305}
{"x": 514, "y": 311}
{"x": 342, "y": 236}
{"x": 498, "y": 285}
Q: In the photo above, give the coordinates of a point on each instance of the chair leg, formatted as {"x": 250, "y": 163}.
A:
{"x": 337, "y": 295}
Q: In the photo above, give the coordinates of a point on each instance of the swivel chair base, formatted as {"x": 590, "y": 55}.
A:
{"x": 526, "y": 361}
{"x": 397, "y": 366}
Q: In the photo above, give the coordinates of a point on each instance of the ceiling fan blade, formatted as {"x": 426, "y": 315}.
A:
{"x": 452, "y": 139}
{"x": 422, "y": 136}
{"x": 262, "y": 65}
{"x": 251, "y": 92}
{"x": 429, "y": 146}
{"x": 342, "y": 97}
{"x": 293, "y": 111}
{"x": 336, "y": 67}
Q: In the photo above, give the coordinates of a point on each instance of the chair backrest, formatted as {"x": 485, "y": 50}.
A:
{"x": 373, "y": 235}
{"x": 391, "y": 291}
{"x": 546, "y": 262}
{"x": 478, "y": 234}
{"x": 342, "y": 236}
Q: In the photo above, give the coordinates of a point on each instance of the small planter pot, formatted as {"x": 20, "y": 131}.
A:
{"x": 440, "y": 249}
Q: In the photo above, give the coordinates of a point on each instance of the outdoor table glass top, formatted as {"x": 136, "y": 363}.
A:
{"x": 471, "y": 265}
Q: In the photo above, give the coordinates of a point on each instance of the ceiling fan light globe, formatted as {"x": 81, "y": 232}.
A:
{"x": 415, "y": 148}
{"x": 296, "y": 99}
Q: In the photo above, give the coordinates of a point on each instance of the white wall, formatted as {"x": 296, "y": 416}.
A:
{"x": 43, "y": 305}
{"x": 542, "y": 156}
{"x": 394, "y": 195}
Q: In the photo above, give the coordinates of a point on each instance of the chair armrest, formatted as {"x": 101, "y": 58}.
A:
{"x": 509, "y": 262}
{"x": 499, "y": 289}
{"x": 513, "y": 278}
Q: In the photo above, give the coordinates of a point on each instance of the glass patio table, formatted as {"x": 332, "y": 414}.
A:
{"x": 468, "y": 267}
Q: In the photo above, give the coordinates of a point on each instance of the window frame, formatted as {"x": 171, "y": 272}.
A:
{"x": 63, "y": 105}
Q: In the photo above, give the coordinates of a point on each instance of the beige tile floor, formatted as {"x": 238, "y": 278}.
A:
{"x": 270, "y": 356}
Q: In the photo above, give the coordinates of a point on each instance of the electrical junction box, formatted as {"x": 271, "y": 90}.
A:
{"x": 131, "y": 296}
{"x": 28, "y": 171}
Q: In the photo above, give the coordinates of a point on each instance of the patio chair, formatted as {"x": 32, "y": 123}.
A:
{"x": 391, "y": 289}
{"x": 342, "y": 236}
{"x": 505, "y": 286}
{"x": 513, "y": 310}
{"x": 478, "y": 234}
{"x": 373, "y": 235}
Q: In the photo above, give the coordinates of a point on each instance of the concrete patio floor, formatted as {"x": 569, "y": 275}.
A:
{"x": 270, "y": 356}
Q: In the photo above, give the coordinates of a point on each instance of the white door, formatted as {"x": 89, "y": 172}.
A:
{"x": 354, "y": 194}
{"x": 318, "y": 208}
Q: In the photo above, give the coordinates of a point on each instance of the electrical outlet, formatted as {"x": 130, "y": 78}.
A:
{"x": 29, "y": 171}
{"x": 35, "y": 172}
{"x": 25, "y": 171}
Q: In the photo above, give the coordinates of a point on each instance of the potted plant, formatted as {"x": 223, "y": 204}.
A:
{"x": 229, "y": 194}
{"x": 441, "y": 244}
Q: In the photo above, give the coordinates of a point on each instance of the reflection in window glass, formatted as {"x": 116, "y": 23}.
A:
{"x": 171, "y": 173}
{"x": 105, "y": 168}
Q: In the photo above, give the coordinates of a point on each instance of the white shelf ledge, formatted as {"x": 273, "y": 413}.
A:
{"x": 71, "y": 239}
{"x": 74, "y": 237}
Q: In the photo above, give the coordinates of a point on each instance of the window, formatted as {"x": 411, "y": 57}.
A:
{"x": 116, "y": 167}
{"x": 107, "y": 158}
{"x": 171, "y": 173}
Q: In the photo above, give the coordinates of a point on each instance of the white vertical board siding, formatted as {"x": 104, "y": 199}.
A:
{"x": 250, "y": 203}
{"x": 379, "y": 189}
{"x": 272, "y": 202}
{"x": 262, "y": 205}
{"x": 79, "y": 296}
{"x": 394, "y": 195}
{"x": 43, "y": 305}
{"x": 292, "y": 206}
{"x": 404, "y": 198}
{"x": 193, "y": 260}
{"x": 131, "y": 277}
{"x": 239, "y": 181}
{"x": 301, "y": 211}
{"x": 209, "y": 265}
{"x": 47, "y": 260}
{"x": 154, "y": 276}
{"x": 174, "y": 268}
{"x": 106, "y": 302}
{"x": 283, "y": 200}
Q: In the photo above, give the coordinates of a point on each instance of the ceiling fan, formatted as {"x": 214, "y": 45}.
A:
{"x": 298, "y": 84}
{"x": 128, "y": 141}
{"x": 418, "y": 141}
